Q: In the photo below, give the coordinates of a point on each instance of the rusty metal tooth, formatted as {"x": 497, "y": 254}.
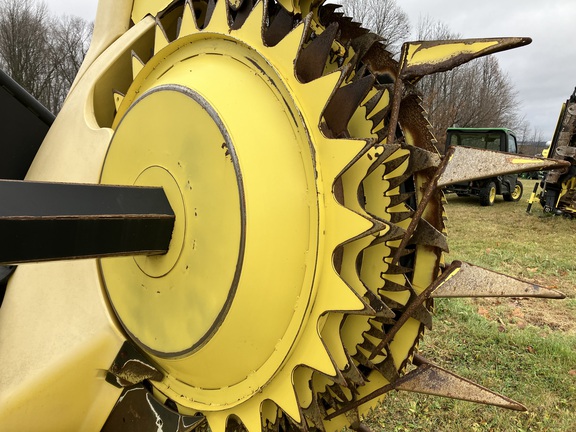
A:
{"x": 421, "y": 159}
{"x": 434, "y": 380}
{"x": 378, "y": 305}
{"x": 312, "y": 58}
{"x": 392, "y": 165}
{"x": 240, "y": 11}
{"x": 280, "y": 25}
{"x": 378, "y": 118}
{"x": 350, "y": 30}
{"x": 392, "y": 304}
{"x": 394, "y": 269}
{"x": 423, "y": 315}
{"x": 426, "y": 234}
{"x": 352, "y": 373}
{"x": 393, "y": 232}
{"x": 397, "y": 217}
{"x": 375, "y": 332}
{"x": 413, "y": 306}
{"x": 412, "y": 120}
{"x": 362, "y": 44}
{"x": 474, "y": 281}
{"x": 387, "y": 151}
{"x": 396, "y": 200}
{"x": 210, "y": 7}
{"x": 344, "y": 103}
{"x": 397, "y": 181}
{"x": 373, "y": 102}
{"x": 388, "y": 368}
{"x": 314, "y": 414}
{"x": 392, "y": 286}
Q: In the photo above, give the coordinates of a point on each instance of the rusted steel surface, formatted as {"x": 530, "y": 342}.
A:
{"x": 411, "y": 309}
{"x": 473, "y": 281}
{"x": 430, "y": 379}
{"x": 131, "y": 367}
{"x": 411, "y": 70}
{"x": 467, "y": 164}
{"x": 138, "y": 411}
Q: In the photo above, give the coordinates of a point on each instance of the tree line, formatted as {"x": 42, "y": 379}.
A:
{"x": 477, "y": 94}
{"x": 42, "y": 52}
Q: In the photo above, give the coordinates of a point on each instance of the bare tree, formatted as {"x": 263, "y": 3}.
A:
{"x": 41, "y": 53}
{"x": 69, "y": 42}
{"x": 383, "y": 17}
{"x": 24, "y": 46}
{"x": 477, "y": 94}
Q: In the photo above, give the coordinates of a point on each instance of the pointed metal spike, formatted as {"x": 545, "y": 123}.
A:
{"x": 363, "y": 43}
{"x": 388, "y": 150}
{"x": 313, "y": 58}
{"x": 421, "y": 299}
{"x": 434, "y": 380}
{"x": 352, "y": 373}
{"x": 188, "y": 25}
{"x": 466, "y": 164}
{"x": 423, "y": 315}
{"x": 118, "y": 98}
{"x": 394, "y": 232}
{"x": 280, "y": 25}
{"x": 426, "y": 234}
{"x": 396, "y": 269}
{"x": 373, "y": 102}
{"x": 397, "y": 181}
{"x": 137, "y": 65}
{"x": 427, "y": 57}
{"x": 161, "y": 39}
{"x": 210, "y": 7}
{"x": 344, "y": 103}
{"x": 396, "y": 200}
{"x": 388, "y": 368}
{"x": 314, "y": 414}
{"x": 392, "y": 165}
{"x": 378, "y": 118}
{"x": 473, "y": 281}
{"x": 397, "y": 217}
{"x": 392, "y": 304}
{"x": 137, "y": 409}
{"x": 379, "y": 306}
{"x": 392, "y": 286}
{"x": 241, "y": 13}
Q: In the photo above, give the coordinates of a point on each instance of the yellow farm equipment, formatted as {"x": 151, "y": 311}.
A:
{"x": 558, "y": 195}
{"x": 235, "y": 222}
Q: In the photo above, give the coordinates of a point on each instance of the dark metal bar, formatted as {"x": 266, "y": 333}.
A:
{"x": 24, "y": 123}
{"x": 55, "y": 221}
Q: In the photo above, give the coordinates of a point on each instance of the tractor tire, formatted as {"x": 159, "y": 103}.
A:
{"x": 516, "y": 193}
{"x": 488, "y": 194}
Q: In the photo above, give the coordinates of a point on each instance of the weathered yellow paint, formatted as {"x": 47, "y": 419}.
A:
{"x": 443, "y": 51}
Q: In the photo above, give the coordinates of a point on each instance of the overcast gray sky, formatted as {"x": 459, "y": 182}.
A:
{"x": 544, "y": 73}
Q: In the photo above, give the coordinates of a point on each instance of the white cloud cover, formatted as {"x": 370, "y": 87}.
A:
{"x": 544, "y": 73}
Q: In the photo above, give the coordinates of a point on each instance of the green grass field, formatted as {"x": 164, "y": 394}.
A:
{"x": 522, "y": 348}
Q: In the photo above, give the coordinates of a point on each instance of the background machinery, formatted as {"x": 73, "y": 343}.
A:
{"x": 558, "y": 194}
{"x": 495, "y": 139}
{"x": 235, "y": 222}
